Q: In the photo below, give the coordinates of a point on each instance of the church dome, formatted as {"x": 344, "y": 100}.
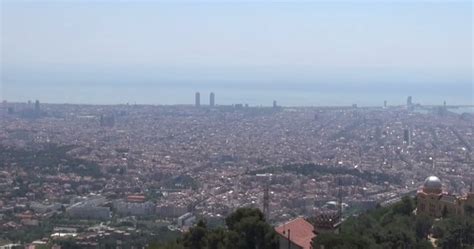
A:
{"x": 432, "y": 185}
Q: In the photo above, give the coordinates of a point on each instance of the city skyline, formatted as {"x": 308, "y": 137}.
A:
{"x": 212, "y": 103}
{"x": 236, "y": 124}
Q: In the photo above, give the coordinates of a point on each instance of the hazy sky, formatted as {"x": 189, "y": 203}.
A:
{"x": 233, "y": 44}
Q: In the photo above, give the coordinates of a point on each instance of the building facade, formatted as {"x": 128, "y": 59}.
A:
{"x": 436, "y": 203}
{"x": 212, "y": 99}
{"x": 197, "y": 99}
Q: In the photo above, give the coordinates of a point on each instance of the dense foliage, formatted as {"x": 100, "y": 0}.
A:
{"x": 397, "y": 227}
{"x": 50, "y": 159}
{"x": 246, "y": 228}
{"x": 385, "y": 227}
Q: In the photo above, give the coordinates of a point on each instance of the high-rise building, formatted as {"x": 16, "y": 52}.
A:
{"x": 197, "y": 99}
{"x": 275, "y": 104}
{"x": 339, "y": 204}
{"x": 409, "y": 101}
{"x": 385, "y": 104}
{"x": 212, "y": 99}
{"x": 407, "y": 136}
{"x": 37, "y": 106}
{"x": 107, "y": 120}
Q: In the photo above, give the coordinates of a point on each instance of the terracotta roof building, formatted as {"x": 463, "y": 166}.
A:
{"x": 297, "y": 233}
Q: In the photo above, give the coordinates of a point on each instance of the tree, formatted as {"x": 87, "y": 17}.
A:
{"x": 423, "y": 225}
{"x": 252, "y": 230}
{"x": 196, "y": 238}
{"x": 383, "y": 227}
{"x": 233, "y": 219}
{"x": 217, "y": 239}
{"x": 458, "y": 233}
{"x": 246, "y": 229}
{"x": 424, "y": 244}
{"x": 444, "y": 212}
{"x": 170, "y": 245}
{"x": 405, "y": 207}
{"x": 469, "y": 210}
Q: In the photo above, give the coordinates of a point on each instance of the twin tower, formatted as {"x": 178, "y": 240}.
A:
{"x": 197, "y": 99}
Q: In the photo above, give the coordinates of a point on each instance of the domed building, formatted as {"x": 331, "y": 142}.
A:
{"x": 433, "y": 185}
{"x": 434, "y": 202}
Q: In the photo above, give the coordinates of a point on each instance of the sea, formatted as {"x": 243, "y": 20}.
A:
{"x": 253, "y": 96}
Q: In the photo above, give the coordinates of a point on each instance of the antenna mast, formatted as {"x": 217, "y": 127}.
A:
{"x": 266, "y": 200}
{"x": 340, "y": 200}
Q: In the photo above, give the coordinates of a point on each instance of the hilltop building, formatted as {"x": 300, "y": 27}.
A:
{"x": 434, "y": 202}
{"x": 327, "y": 222}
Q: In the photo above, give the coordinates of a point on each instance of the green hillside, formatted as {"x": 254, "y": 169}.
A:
{"x": 395, "y": 227}
{"x": 398, "y": 227}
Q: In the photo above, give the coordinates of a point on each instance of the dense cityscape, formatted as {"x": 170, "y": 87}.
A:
{"x": 255, "y": 124}
{"x": 96, "y": 172}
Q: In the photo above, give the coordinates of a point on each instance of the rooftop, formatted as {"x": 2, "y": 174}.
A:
{"x": 301, "y": 232}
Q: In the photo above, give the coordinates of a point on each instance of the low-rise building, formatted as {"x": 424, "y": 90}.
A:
{"x": 134, "y": 208}
{"x": 295, "y": 234}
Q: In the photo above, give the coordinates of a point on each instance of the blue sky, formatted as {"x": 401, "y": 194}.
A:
{"x": 255, "y": 44}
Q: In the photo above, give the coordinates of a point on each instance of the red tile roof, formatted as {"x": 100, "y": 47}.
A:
{"x": 136, "y": 198}
{"x": 301, "y": 232}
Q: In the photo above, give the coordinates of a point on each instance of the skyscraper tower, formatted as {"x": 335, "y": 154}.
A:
{"x": 409, "y": 103}
{"x": 37, "y": 106}
{"x": 197, "y": 99}
{"x": 385, "y": 104}
{"x": 275, "y": 104}
{"x": 340, "y": 200}
{"x": 212, "y": 99}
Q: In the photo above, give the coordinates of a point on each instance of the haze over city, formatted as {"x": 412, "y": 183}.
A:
{"x": 300, "y": 53}
{"x": 236, "y": 124}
